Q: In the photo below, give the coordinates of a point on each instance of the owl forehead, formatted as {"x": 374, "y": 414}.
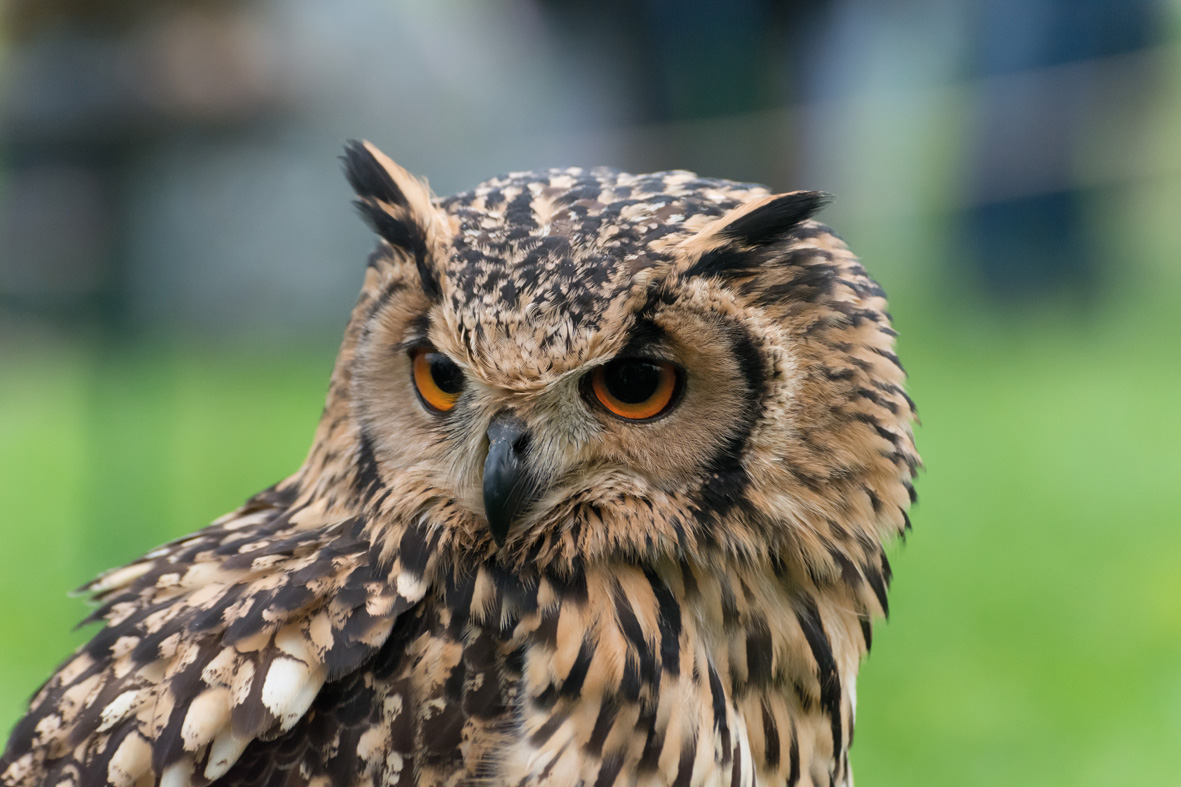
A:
{"x": 538, "y": 259}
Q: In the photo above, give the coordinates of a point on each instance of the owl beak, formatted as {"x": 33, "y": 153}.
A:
{"x": 509, "y": 487}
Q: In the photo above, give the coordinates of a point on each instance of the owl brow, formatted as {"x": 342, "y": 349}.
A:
{"x": 416, "y": 335}
{"x": 643, "y": 337}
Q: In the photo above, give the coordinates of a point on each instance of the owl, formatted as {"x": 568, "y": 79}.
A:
{"x": 599, "y": 497}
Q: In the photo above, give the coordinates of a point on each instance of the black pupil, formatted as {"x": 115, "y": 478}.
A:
{"x": 632, "y": 382}
{"x": 445, "y": 373}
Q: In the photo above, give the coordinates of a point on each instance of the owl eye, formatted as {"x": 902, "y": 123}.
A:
{"x": 636, "y": 389}
{"x": 438, "y": 380}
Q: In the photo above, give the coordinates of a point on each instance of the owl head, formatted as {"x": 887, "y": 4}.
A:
{"x": 575, "y": 365}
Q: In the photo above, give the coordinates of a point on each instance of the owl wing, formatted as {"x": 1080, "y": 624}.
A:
{"x": 382, "y": 724}
{"x": 210, "y": 643}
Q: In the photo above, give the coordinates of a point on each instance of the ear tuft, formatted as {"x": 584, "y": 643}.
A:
{"x": 397, "y": 206}
{"x": 774, "y": 219}
{"x": 367, "y": 175}
{"x": 729, "y": 247}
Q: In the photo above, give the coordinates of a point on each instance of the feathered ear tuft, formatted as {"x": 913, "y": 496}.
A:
{"x": 729, "y": 247}
{"x": 777, "y": 218}
{"x": 396, "y": 205}
{"x": 367, "y": 175}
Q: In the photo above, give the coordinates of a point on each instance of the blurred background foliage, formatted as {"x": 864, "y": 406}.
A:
{"x": 178, "y": 256}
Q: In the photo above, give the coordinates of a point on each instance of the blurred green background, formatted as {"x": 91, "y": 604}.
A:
{"x": 178, "y": 257}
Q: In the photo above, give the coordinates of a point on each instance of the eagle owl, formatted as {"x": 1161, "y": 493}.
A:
{"x": 599, "y": 497}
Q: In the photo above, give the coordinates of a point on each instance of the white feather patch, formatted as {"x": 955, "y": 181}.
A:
{"x": 120, "y": 577}
{"x": 130, "y": 761}
{"x": 224, "y": 752}
{"x": 117, "y": 709}
{"x": 290, "y": 688}
{"x": 243, "y": 680}
{"x": 178, "y": 774}
{"x": 291, "y": 641}
{"x": 409, "y": 587}
{"x": 207, "y": 715}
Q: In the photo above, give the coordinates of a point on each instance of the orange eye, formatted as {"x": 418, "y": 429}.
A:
{"x": 636, "y": 389}
{"x": 438, "y": 380}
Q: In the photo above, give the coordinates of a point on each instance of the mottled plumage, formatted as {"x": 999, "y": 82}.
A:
{"x": 677, "y": 600}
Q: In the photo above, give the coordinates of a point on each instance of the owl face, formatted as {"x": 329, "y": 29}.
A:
{"x": 586, "y": 361}
{"x": 638, "y": 414}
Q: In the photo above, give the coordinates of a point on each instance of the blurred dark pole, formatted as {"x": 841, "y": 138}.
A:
{"x": 89, "y": 88}
{"x": 1024, "y": 247}
{"x": 64, "y": 137}
{"x": 693, "y": 60}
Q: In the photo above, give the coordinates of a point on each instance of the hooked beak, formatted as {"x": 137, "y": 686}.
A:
{"x": 509, "y": 487}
